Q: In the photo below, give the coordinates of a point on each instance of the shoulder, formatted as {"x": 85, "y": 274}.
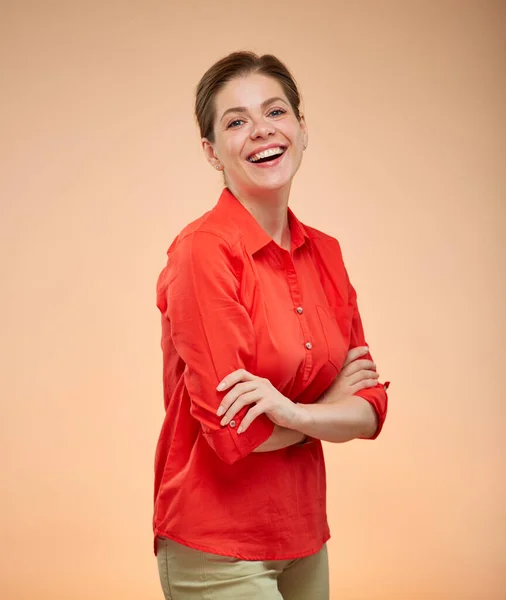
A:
{"x": 203, "y": 248}
{"x": 206, "y": 234}
{"x": 198, "y": 254}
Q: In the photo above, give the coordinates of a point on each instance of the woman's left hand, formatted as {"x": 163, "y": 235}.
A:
{"x": 250, "y": 389}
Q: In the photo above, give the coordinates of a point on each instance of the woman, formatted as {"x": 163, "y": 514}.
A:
{"x": 264, "y": 357}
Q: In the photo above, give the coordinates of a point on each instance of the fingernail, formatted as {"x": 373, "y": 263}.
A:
{"x": 223, "y": 421}
{"x": 240, "y": 430}
{"x": 220, "y": 411}
{"x": 220, "y": 387}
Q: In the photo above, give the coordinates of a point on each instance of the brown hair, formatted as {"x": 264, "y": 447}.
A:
{"x": 234, "y": 65}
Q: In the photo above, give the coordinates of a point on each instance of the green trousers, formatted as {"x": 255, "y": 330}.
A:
{"x": 188, "y": 574}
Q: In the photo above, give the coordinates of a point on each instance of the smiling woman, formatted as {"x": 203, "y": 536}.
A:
{"x": 258, "y": 136}
{"x": 264, "y": 356}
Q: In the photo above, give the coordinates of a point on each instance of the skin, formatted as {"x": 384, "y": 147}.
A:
{"x": 250, "y": 112}
{"x": 263, "y": 191}
{"x": 337, "y": 416}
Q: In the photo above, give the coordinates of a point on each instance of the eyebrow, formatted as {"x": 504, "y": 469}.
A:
{"x": 243, "y": 109}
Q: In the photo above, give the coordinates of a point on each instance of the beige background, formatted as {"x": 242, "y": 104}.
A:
{"x": 101, "y": 166}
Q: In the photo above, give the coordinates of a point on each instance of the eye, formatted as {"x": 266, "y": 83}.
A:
{"x": 234, "y": 123}
{"x": 279, "y": 112}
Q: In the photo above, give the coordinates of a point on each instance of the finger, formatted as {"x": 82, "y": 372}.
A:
{"x": 355, "y": 353}
{"x": 233, "y": 378}
{"x": 251, "y": 415}
{"x": 358, "y": 365}
{"x": 231, "y": 396}
{"x": 362, "y": 385}
{"x": 242, "y": 401}
{"x": 361, "y": 375}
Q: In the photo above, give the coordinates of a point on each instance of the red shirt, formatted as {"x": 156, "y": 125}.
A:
{"x": 232, "y": 298}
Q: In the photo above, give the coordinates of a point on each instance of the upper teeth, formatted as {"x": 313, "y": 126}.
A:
{"x": 266, "y": 153}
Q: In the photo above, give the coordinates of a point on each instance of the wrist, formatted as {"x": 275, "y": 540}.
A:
{"x": 290, "y": 437}
{"x": 301, "y": 418}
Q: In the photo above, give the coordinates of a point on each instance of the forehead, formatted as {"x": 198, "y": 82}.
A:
{"x": 248, "y": 91}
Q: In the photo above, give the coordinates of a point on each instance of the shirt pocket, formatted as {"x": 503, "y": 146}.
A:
{"x": 336, "y": 325}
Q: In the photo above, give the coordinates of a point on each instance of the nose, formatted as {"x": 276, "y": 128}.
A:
{"x": 261, "y": 129}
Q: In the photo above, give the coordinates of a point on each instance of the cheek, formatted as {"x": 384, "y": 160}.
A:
{"x": 297, "y": 153}
{"x": 233, "y": 149}
{"x": 296, "y": 137}
{"x": 300, "y": 138}
{"x": 298, "y": 144}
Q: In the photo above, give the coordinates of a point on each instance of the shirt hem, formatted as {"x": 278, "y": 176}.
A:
{"x": 241, "y": 555}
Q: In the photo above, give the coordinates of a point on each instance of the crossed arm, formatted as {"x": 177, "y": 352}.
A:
{"x": 338, "y": 421}
{"x": 196, "y": 289}
{"x": 337, "y": 416}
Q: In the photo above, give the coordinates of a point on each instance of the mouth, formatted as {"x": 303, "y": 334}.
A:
{"x": 267, "y": 156}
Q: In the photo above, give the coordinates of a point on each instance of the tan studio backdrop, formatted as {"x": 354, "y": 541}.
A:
{"x": 101, "y": 166}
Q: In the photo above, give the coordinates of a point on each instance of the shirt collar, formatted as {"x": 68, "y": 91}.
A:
{"x": 255, "y": 238}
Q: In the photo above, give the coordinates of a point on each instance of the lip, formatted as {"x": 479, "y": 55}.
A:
{"x": 266, "y": 147}
{"x": 269, "y": 164}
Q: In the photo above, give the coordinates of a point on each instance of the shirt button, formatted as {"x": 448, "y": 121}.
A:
{"x": 309, "y": 345}
{"x": 233, "y": 423}
{"x": 300, "y": 310}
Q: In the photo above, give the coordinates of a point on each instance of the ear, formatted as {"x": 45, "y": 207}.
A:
{"x": 210, "y": 154}
{"x": 303, "y": 126}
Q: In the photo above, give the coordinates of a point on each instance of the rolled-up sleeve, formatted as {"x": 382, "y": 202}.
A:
{"x": 198, "y": 292}
{"x": 376, "y": 396}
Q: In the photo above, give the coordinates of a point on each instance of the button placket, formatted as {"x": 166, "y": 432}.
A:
{"x": 293, "y": 285}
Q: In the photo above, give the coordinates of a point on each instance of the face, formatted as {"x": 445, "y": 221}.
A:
{"x": 258, "y": 139}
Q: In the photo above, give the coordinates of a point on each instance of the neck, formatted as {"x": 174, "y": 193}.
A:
{"x": 270, "y": 209}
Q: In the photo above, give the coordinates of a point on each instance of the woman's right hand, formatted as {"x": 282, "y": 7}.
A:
{"x": 356, "y": 374}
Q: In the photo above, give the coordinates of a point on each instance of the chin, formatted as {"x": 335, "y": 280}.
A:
{"x": 276, "y": 181}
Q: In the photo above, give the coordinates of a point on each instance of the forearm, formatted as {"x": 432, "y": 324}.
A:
{"x": 341, "y": 421}
{"x": 281, "y": 437}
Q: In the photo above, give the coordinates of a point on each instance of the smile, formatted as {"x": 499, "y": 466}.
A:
{"x": 269, "y": 157}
